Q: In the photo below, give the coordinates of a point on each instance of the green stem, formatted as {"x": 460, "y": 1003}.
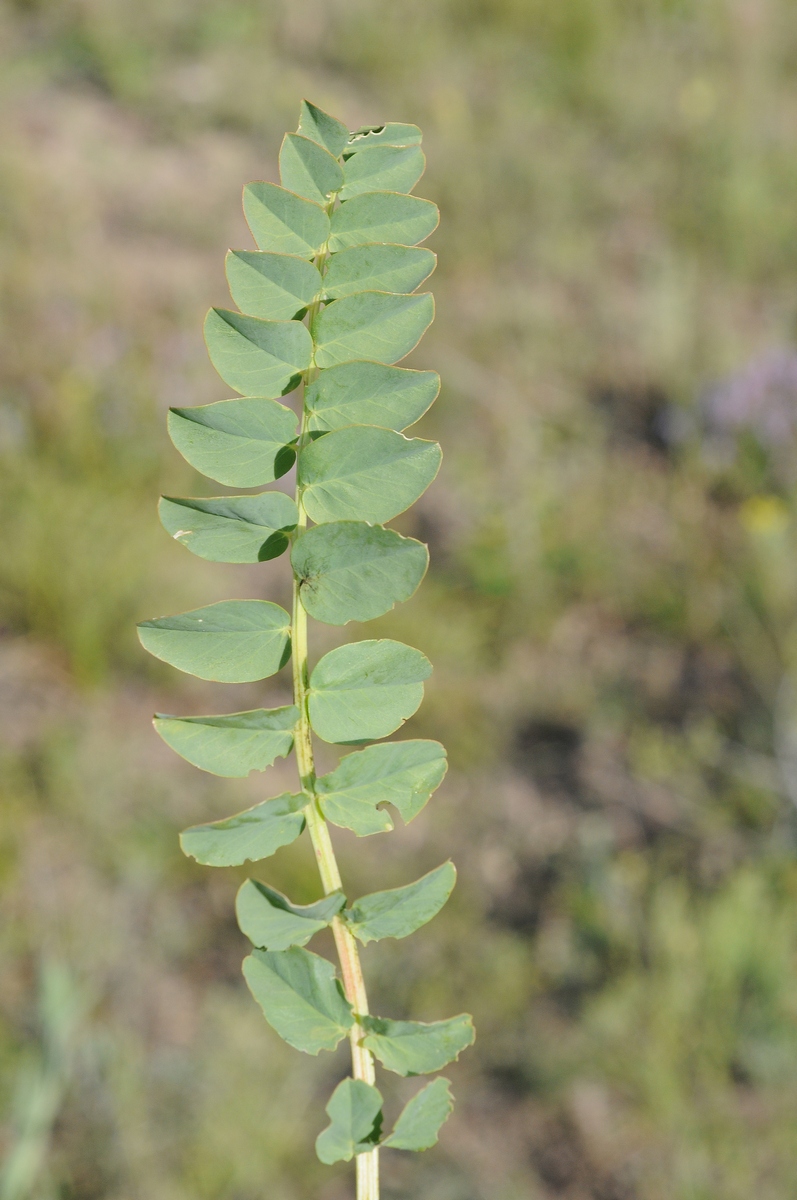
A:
{"x": 351, "y": 968}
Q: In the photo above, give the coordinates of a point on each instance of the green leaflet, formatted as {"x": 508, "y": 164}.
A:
{"x": 251, "y": 835}
{"x": 382, "y": 169}
{"x": 403, "y": 774}
{"x": 377, "y": 268}
{"x": 232, "y": 744}
{"x": 381, "y": 326}
{"x": 351, "y": 571}
{"x": 234, "y": 641}
{"x": 414, "y": 1048}
{"x": 271, "y": 922}
{"x": 392, "y": 134}
{"x": 366, "y": 690}
{"x": 327, "y": 131}
{"x": 355, "y": 1110}
{"x": 365, "y": 473}
{"x": 419, "y": 1123}
{"x": 277, "y": 287}
{"x": 232, "y": 529}
{"x": 257, "y": 358}
{"x": 300, "y": 996}
{"x": 240, "y": 443}
{"x": 400, "y": 911}
{"x": 368, "y": 393}
{"x": 382, "y": 217}
{"x": 308, "y": 168}
{"x": 283, "y": 222}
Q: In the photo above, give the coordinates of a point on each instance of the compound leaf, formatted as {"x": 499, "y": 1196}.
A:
{"x": 301, "y": 997}
{"x": 322, "y": 128}
{"x": 355, "y": 1109}
{"x": 240, "y": 443}
{"x": 233, "y": 641}
{"x": 392, "y": 134}
{"x": 351, "y": 571}
{"x": 252, "y": 835}
{"x": 381, "y": 326}
{"x": 231, "y": 529}
{"x": 257, "y": 358}
{"x": 231, "y": 744}
{"x": 366, "y": 690}
{"x": 271, "y": 922}
{"x": 420, "y": 1121}
{"x": 382, "y": 169}
{"x": 414, "y": 1048}
{"x": 277, "y": 287}
{"x": 283, "y": 222}
{"x": 365, "y": 473}
{"x": 403, "y": 774}
{"x": 382, "y": 217}
{"x": 308, "y": 168}
{"x": 381, "y": 267}
{"x": 400, "y": 911}
{"x": 369, "y": 393}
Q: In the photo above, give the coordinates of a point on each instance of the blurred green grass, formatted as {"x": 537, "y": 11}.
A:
{"x": 611, "y": 607}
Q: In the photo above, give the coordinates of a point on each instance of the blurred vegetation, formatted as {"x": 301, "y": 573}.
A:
{"x": 612, "y": 607}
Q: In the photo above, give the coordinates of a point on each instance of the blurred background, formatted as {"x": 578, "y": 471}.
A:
{"x": 611, "y": 609}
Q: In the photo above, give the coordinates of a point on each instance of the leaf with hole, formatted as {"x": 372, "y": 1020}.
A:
{"x": 419, "y": 1124}
{"x": 251, "y": 835}
{"x": 365, "y": 473}
{"x": 366, "y": 690}
{"x": 392, "y": 134}
{"x": 403, "y": 774}
{"x": 272, "y": 922}
{"x": 231, "y": 529}
{"x": 400, "y": 911}
{"x": 355, "y": 1110}
{"x": 381, "y": 326}
{"x": 369, "y": 393}
{"x": 322, "y": 128}
{"x": 309, "y": 169}
{"x": 233, "y": 641}
{"x": 380, "y": 267}
{"x": 382, "y": 169}
{"x": 277, "y": 287}
{"x": 414, "y": 1048}
{"x": 301, "y": 997}
{"x": 351, "y": 571}
{"x": 283, "y": 222}
{"x": 231, "y": 744}
{"x": 257, "y": 358}
{"x": 240, "y": 443}
{"x": 382, "y": 217}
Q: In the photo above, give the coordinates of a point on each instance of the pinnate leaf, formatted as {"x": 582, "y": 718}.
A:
{"x": 419, "y": 1123}
{"x": 240, "y": 443}
{"x": 365, "y": 473}
{"x": 301, "y": 997}
{"x": 369, "y": 393}
{"x": 382, "y": 326}
{"x": 277, "y": 287}
{"x": 271, "y": 922}
{"x": 366, "y": 690}
{"x": 232, "y": 529}
{"x": 231, "y": 744}
{"x": 283, "y": 222}
{"x": 381, "y": 267}
{"x": 308, "y": 168}
{"x": 414, "y": 1048}
{"x": 234, "y": 641}
{"x": 400, "y": 911}
{"x": 355, "y": 1110}
{"x": 251, "y": 835}
{"x": 257, "y": 358}
{"x": 352, "y": 571}
{"x": 382, "y": 169}
{"x": 382, "y": 217}
{"x": 322, "y": 128}
{"x": 403, "y": 774}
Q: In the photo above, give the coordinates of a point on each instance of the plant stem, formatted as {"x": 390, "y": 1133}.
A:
{"x": 353, "y": 982}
